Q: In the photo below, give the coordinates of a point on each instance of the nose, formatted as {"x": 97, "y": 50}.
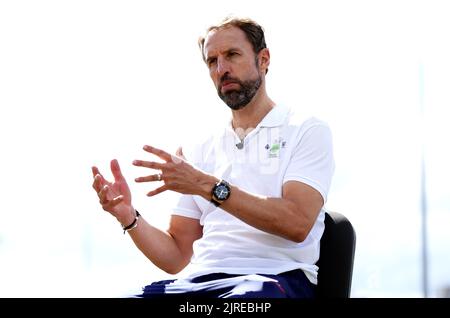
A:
{"x": 223, "y": 67}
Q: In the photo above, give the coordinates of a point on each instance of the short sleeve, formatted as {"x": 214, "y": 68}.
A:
{"x": 312, "y": 160}
{"x": 187, "y": 207}
{"x": 186, "y": 204}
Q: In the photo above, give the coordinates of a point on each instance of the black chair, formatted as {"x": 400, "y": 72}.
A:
{"x": 337, "y": 251}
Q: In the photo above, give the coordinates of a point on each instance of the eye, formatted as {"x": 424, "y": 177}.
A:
{"x": 211, "y": 61}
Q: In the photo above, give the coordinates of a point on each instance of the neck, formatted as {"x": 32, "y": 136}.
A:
{"x": 251, "y": 115}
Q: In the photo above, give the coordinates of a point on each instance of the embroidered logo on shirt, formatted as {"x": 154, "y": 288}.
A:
{"x": 274, "y": 149}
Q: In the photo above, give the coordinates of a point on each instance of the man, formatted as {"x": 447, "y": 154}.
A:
{"x": 250, "y": 215}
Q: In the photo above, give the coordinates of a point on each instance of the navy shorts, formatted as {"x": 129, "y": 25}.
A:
{"x": 292, "y": 284}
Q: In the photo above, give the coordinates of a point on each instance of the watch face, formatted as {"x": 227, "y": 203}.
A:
{"x": 221, "y": 192}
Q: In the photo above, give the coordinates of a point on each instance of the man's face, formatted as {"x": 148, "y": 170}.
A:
{"x": 233, "y": 66}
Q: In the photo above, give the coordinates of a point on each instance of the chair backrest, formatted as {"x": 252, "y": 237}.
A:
{"x": 337, "y": 251}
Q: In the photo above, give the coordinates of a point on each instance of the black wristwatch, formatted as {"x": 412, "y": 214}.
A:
{"x": 220, "y": 192}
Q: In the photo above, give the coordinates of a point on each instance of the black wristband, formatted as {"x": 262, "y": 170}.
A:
{"x": 133, "y": 224}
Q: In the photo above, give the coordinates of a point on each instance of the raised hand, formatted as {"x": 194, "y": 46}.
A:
{"x": 176, "y": 173}
{"x": 115, "y": 197}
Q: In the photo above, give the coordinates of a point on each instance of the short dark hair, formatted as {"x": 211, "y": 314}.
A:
{"x": 253, "y": 31}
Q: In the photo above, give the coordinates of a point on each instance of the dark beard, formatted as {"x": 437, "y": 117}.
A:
{"x": 238, "y": 99}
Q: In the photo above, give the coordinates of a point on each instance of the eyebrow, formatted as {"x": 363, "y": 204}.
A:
{"x": 209, "y": 58}
{"x": 233, "y": 49}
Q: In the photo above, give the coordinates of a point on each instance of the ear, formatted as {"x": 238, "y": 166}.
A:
{"x": 264, "y": 59}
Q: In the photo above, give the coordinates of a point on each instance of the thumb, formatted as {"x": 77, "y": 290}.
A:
{"x": 179, "y": 157}
{"x": 179, "y": 152}
{"x": 115, "y": 169}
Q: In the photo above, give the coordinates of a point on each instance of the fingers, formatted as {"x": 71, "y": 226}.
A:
{"x": 102, "y": 187}
{"x": 102, "y": 194}
{"x": 153, "y": 177}
{"x": 111, "y": 204}
{"x": 98, "y": 182}
{"x": 149, "y": 164}
{"x": 115, "y": 169}
{"x": 157, "y": 191}
{"x": 160, "y": 153}
{"x": 95, "y": 171}
{"x": 107, "y": 205}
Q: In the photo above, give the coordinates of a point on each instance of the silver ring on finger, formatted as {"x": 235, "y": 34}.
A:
{"x": 159, "y": 176}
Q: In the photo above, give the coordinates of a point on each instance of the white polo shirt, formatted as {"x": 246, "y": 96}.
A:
{"x": 283, "y": 147}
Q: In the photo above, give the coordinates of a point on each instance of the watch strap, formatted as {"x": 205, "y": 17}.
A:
{"x": 215, "y": 202}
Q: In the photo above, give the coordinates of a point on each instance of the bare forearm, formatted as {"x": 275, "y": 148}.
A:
{"x": 278, "y": 216}
{"x": 273, "y": 215}
{"x": 158, "y": 246}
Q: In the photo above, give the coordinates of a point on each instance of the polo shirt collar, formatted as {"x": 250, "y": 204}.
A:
{"x": 274, "y": 118}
